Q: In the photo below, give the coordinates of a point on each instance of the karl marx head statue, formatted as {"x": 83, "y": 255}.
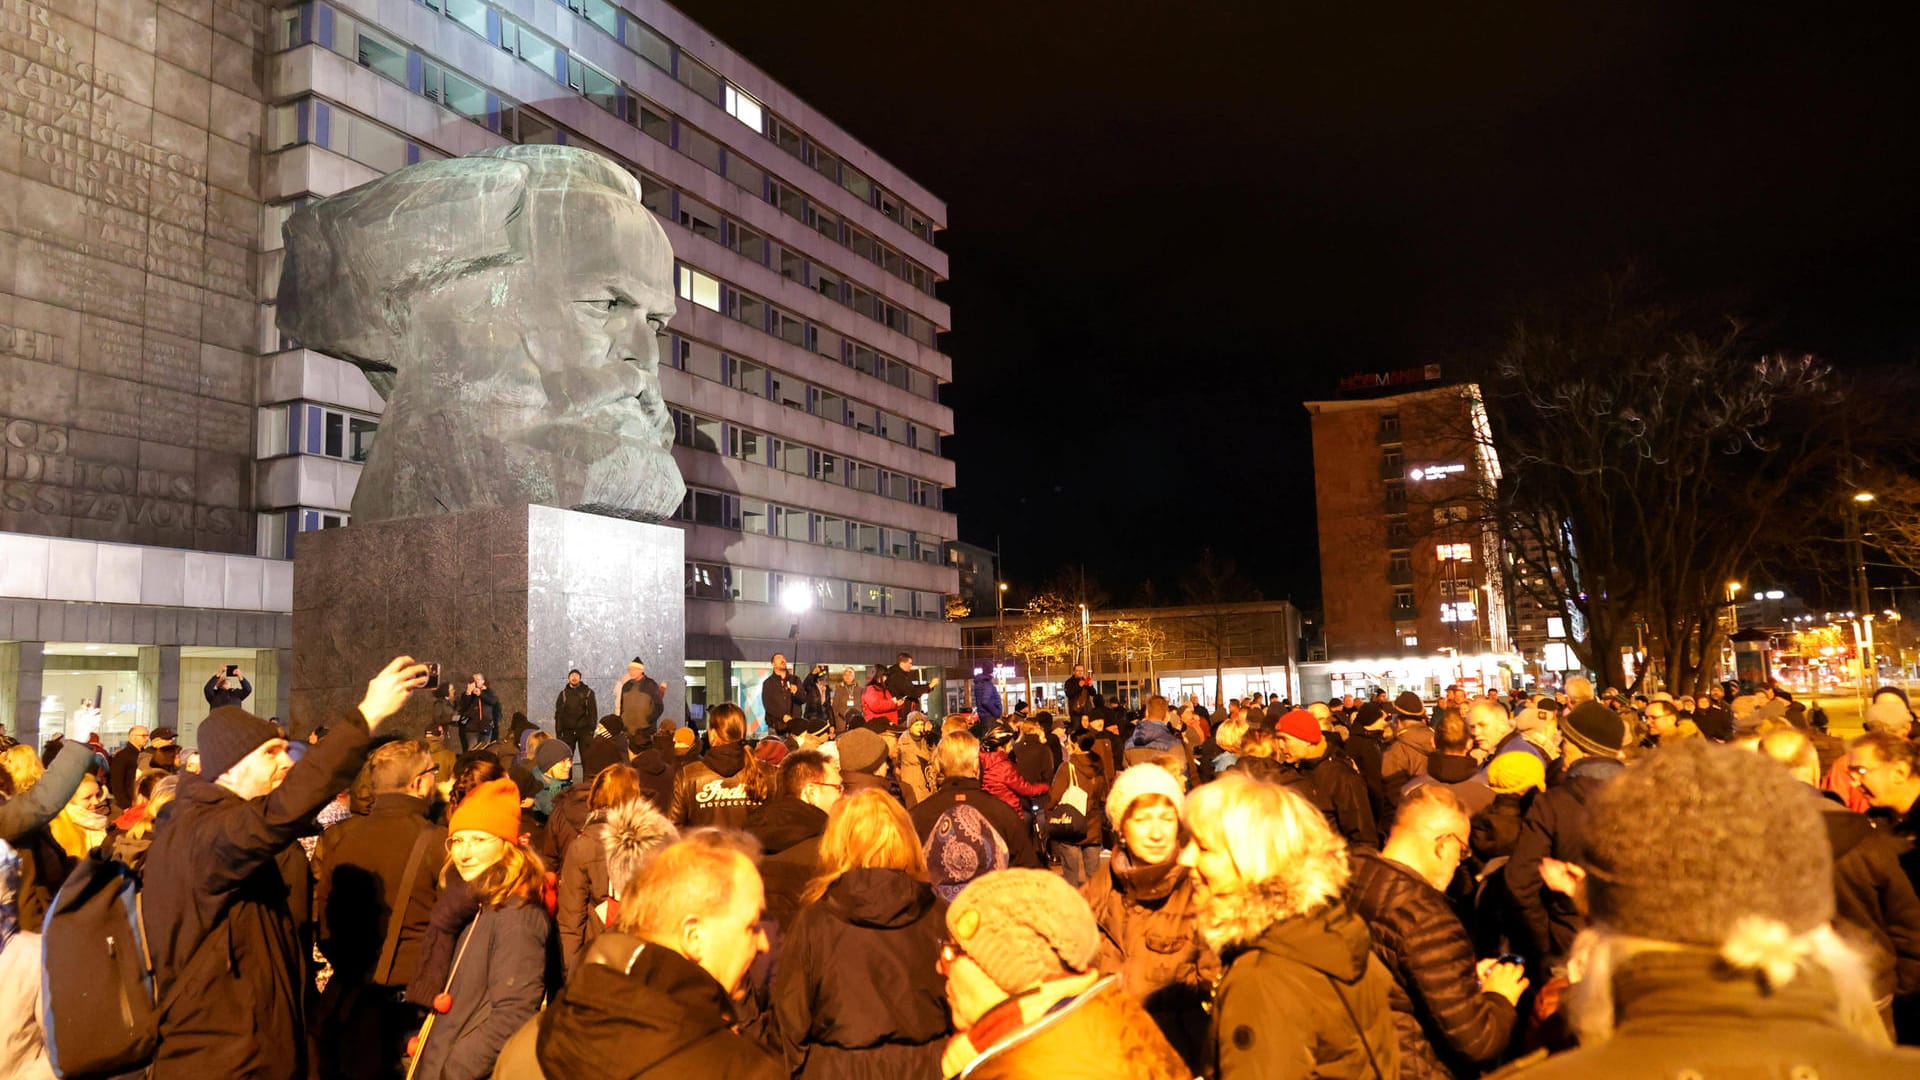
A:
{"x": 505, "y": 304}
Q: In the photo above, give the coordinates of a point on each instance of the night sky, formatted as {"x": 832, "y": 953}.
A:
{"x": 1171, "y": 223}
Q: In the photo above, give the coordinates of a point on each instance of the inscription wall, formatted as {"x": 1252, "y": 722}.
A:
{"x": 129, "y": 235}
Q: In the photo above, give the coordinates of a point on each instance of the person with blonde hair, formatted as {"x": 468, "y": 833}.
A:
{"x": 956, "y": 762}
{"x": 486, "y": 978}
{"x": 857, "y": 992}
{"x": 1303, "y": 994}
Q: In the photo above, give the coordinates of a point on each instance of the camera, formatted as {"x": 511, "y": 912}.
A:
{"x": 433, "y": 677}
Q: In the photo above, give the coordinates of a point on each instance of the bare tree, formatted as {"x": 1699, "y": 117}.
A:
{"x": 1644, "y": 464}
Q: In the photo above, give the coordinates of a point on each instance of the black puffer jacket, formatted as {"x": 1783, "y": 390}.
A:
{"x": 789, "y": 832}
{"x": 857, "y": 993}
{"x": 715, "y": 790}
{"x": 1343, "y": 797}
{"x": 1446, "y": 1026}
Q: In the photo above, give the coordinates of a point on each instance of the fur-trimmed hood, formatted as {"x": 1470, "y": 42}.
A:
{"x": 634, "y": 832}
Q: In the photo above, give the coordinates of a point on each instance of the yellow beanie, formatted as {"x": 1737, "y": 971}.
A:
{"x": 1514, "y": 772}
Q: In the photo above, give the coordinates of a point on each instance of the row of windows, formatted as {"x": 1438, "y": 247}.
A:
{"x": 747, "y": 242}
{"x": 762, "y": 518}
{"x": 758, "y": 448}
{"x": 751, "y": 377}
{"x": 318, "y": 23}
{"x": 347, "y": 133}
{"x": 643, "y": 41}
{"x": 696, "y": 286}
{"x": 748, "y": 585}
{"x": 302, "y": 428}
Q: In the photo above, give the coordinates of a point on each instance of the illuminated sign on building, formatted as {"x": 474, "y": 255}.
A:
{"x": 1434, "y": 472}
{"x": 1374, "y": 380}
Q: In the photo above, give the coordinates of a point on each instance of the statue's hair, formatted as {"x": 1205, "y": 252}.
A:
{"x": 446, "y": 219}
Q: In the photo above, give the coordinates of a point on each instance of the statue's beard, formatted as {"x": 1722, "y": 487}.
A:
{"x": 632, "y": 481}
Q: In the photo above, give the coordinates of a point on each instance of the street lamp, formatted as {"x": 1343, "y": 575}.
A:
{"x": 1733, "y": 608}
{"x": 796, "y": 598}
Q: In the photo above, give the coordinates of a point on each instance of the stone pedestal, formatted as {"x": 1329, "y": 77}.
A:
{"x": 522, "y": 594}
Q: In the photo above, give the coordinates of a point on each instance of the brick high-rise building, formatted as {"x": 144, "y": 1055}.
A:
{"x": 1412, "y": 584}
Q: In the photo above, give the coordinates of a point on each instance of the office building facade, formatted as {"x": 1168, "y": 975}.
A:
{"x": 164, "y": 439}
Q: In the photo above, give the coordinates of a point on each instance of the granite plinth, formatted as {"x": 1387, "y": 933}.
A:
{"x": 523, "y": 594}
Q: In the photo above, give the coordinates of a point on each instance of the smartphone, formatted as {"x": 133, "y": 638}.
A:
{"x": 1513, "y": 958}
{"x": 232, "y": 670}
{"x": 433, "y": 677}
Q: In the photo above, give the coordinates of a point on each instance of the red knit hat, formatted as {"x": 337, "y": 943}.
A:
{"x": 1301, "y": 725}
{"x": 493, "y": 807}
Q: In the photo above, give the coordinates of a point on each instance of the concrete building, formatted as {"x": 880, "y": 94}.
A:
{"x": 1412, "y": 581}
{"x": 165, "y": 447}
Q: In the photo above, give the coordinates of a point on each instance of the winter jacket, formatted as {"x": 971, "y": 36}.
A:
{"x": 986, "y": 698}
{"x": 42, "y": 802}
{"x": 1035, "y": 757}
{"x": 566, "y": 821}
{"x": 1873, "y": 893}
{"x": 1677, "y": 1015}
{"x": 789, "y": 832}
{"x": 1150, "y": 937}
{"x": 217, "y": 697}
{"x": 845, "y": 699}
{"x": 1002, "y": 780}
{"x": 1457, "y": 773}
{"x": 1085, "y": 770}
{"x": 1447, "y": 1026}
{"x": 1366, "y": 749}
{"x": 1495, "y": 830}
{"x": 575, "y": 712}
{"x": 226, "y": 957}
{"x": 1555, "y": 826}
{"x": 913, "y": 764}
{"x": 1005, "y": 821}
{"x": 1307, "y": 998}
{"x": 357, "y": 868}
{"x": 656, "y": 769}
{"x": 1099, "y": 1034}
{"x": 713, "y": 790}
{"x": 857, "y": 993}
{"x": 640, "y": 703}
{"x": 902, "y": 685}
{"x": 877, "y": 704}
{"x": 778, "y": 694}
{"x": 498, "y": 983}
{"x": 1405, "y": 758}
{"x": 635, "y": 1010}
{"x": 583, "y": 885}
{"x": 1342, "y": 796}
{"x": 478, "y": 713}
{"x": 123, "y": 772}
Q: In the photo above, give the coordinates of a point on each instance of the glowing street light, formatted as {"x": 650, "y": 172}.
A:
{"x": 796, "y": 597}
{"x": 1863, "y": 496}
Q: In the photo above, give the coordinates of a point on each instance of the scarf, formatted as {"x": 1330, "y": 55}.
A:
{"x": 1145, "y": 884}
{"x": 458, "y": 905}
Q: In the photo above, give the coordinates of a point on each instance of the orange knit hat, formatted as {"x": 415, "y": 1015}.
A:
{"x": 493, "y": 807}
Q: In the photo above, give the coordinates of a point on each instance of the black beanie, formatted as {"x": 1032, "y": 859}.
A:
{"x": 228, "y": 734}
{"x": 1409, "y": 704}
{"x": 1596, "y": 729}
{"x": 1370, "y": 714}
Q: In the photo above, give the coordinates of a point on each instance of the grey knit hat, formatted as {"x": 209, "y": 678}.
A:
{"x": 1690, "y": 839}
{"x": 1023, "y": 927}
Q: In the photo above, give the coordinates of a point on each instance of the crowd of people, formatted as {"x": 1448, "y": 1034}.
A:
{"x": 1572, "y": 885}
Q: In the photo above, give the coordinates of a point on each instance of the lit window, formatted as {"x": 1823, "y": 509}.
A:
{"x": 1461, "y": 611}
{"x": 700, "y": 288}
{"x": 1556, "y": 627}
{"x": 1462, "y": 552}
{"x": 745, "y": 109}
{"x": 1410, "y": 640}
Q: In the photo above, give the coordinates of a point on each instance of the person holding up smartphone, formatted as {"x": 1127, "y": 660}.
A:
{"x": 228, "y": 687}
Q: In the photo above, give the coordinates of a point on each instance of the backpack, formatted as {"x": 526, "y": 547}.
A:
{"x": 961, "y": 846}
{"x": 97, "y": 990}
{"x": 1067, "y": 819}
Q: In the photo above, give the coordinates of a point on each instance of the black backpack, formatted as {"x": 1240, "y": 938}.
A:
{"x": 97, "y": 986}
